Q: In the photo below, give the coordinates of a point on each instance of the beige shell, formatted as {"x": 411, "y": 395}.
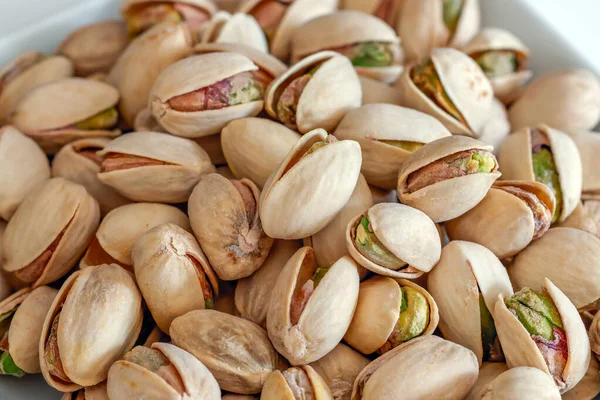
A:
{"x": 567, "y": 100}
{"x": 332, "y": 91}
{"x": 566, "y": 256}
{"x": 23, "y": 167}
{"x": 450, "y": 198}
{"x": 121, "y": 228}
{"x": 96, "y": 392}
{"x": 588, "y": 144}
{"x": 278, "y": 388}
{"x": 300, "y": 202}
{"x": 449, "y": 369}
{"x": 586, "y": 217}
{"x": 236, "y": 351}
{"x": 255, "y": 147}
{"x": 375, "y": 92}
{"x": 383, "y": 9}
{"x": 588, "y": 387}
{"x": 487, "y": 373}
{"x": 238, "y": 397}
{"x": 326, "y": 315}
{"x": 207, "y": 6}
{"x": 522, "y": 383}
{"x": 57, "y": 207}
{"x": 145, "y": 122}
{"x": 520, "y": 349}
{"x": 515, "y": 159}
{"x": 239, "y": 28}
{"x": 465, "y": 271}
{"x": 502, "y": 222}
{"x": 406, "y": 232}
{"x": 371, "y": 124}
{"x": 127, "y": 380}
{"x": 497, "y": 127}
{"x": 100, "y": 319}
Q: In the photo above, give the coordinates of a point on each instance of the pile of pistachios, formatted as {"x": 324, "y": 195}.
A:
{"x": 299, "y": 200}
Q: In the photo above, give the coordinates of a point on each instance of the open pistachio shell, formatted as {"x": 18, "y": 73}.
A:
{"x": 524, "y": 383}
{"x": 238, "y": 397}
{"x": 311, "y": 308}
{"x": 487, "y": 373}
{"x": 96, "y": 392}
{"x": 589, "y": 386}
{"x": 449, "y": 198}
{"x": 386, "y": 10}
{"x": 586, "y": 217}
{"x": 521, "y": 350}
{"x": 310, "y": 186}
{"x": 145, "y": 122}
{"x": 375, "y": 92}
{"x": 497, "y": 127}
{"x": 239, "y": 28}
{"x": 510, "y": 216}
{"x": 94, "y": 320}
{"x": 236, "y": 351}
{"x": 23, "y": 167}
{"x": 287, "y": 384}
{"x": 332, "y": 89}
{"x": 449, "y": 369}
{"x": 588, "y": 144}
{"x": 387, "y": 135}
{"x": 515, "y": 157}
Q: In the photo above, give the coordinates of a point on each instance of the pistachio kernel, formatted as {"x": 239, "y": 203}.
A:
{"x": 103, "y": 120}
{"x": 368, "y": 245}
{"x": 368, "y": 54}
{"x": 7, "y": 364}
{"x": 452, "y": 12}
{"x": 412, "y": 321}
{"x": 544, "y": 167}
{"x": 489, "y": 338}
{"x": 289, "y": 98}
{"x": 154, "y": 361}
{"x": 307, "y": 281}
{"x": 495, "y": 63}
{"x": 404, "y": 144}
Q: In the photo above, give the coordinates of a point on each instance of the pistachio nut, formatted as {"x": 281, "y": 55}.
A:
{"x": 375, "y": 92}
{"x": 449, "y": 369}
{"x": 311, "y": 307}
{"x": 586, "y": 217}
{"x": 80, "y": 108}
{"x": 510, "y": 216}
{"x": 145, "y": 122}
{"x": 122, "y": 227}
{"x": 163, "y": 371}
{"x": 27, "y": 72}
{"x": 383, "y": 196}
{"x": 59, "y": 220}
{"x": 253, "y": 294}
{"x": 542, "y": 329}
{"x": 95, "y": 48}
{"x": 93, "y": 321}
{"x": 387, "y": 135}
{"x": 296, "y": 383}
{"x": 371, "y": 45}
{"x": 487, "y": 373}
{"x": 522, "y": 383}
{"x": 497, "y": 127}
{"x": 548, "y": 156}
{"x": 386, "y": 10}
{"x": 238, "y": 397}
{"x": 255, "y": 147}
{"x": 23, "y": 167}
{"x": 236, "y": 351}
{"x": 567, "y": 100}
{"x": 311, "y": 185}
{"x": 448, "y": 177}
{"x": 314, "y": 93}
{"x": 96, "y": 392}
{"x": 588, "y": 144}
{"x": 588, "y": 387}
{"x": 239, "y": 28}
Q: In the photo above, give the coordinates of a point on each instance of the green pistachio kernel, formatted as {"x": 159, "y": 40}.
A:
{"x": 489, "y": 337}
{"x": 5, "y": 319}
{"x": 414, "y": 315}
{"x": 404, "y": 144}
{"x": 8, "y": 366}
{"x": 369, "y": 246}
{"x": 319, "y": 275}
{"x": 498, "y": 63}
{"x": 372, "y": 54}
{"x": 545, "y": 172}
{"x": 209, "y": 304}
{"x": 536, "y": 311}
{"x": 485, "y": 162}
{"x": 248, "y": 93}
{"x": 452, "y": 11}
{"x": 103, "y": 120}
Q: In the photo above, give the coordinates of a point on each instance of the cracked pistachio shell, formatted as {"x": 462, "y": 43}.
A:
{"x": 100, "y": 319}
{"x": 77, "y": 162}
{"x": 567, "y": 256}
{"x": 449, "y": 198}
{"x": 588, "y": 387}
{"x": 588, "y": 144}
{"x": 324, "y": 318}
{"x": 521, "y": 350}
{"x": 502, "y": 222}
{"x": 238, "y": 28}
{"x": 522, "y": 383}
{"x": 332, "y": 91}
{"x": 236, "y": 351}
{"x": 255, "y": 147}
{"x": 497, "y": 127}
{"x": 23, "y": 167}
{"x": 96, "y": 392}
{"x": 465, "y": 271}
{"x": 376, "y": 92}
{"x": 299, "y": 202}
{"x": 277, "y": 387}
{"x": 52, "y": 123}
{"x": 128, "y": 380}
{"x": 121, "y": 228}
{"x": 145, "y": 122}
{"x": 371, "y": 125}
{"x": 45, "y": 70}
{"x": 225, "y": 219}
{"x": 253, "y": 294}
{"x": 207, "y": 6}
{"x": 405, "y": 232}
{"x": 58, "y": 207}
{"x": 586, "y": 217}
{"x": 567, "y": 100}
{"x": 449, "y": 369}
{"x": 172, "y": 182}
{"x": 487, "y": 373}
{"x": 329, "y": 243}
{"x": 515, "y": 158}
{"x": 345, "y": 28}
{"x": 95, "y": 48}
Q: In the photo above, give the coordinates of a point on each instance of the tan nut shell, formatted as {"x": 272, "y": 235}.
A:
{"x": 465, "y": 270}
{"x": 588, "y": 387}
{"x": 371, "y": 123}
{"x": 586, "y": 217}
{"x": 207, "y": 6}
{"x": 520, "y": 349}
{"x": 522, "y": 383}
{"x": 487, "y": 373}
{"x": 326, "y": 316}
{"x": 23, "y": 166}
{"x": 127, "y": 380}
{"x": 237, "y": 352}
{"x": 375, "y": 92}
{"x": 515, "y": 159}
{"x": 450, "y": 198}
{"x": 100, "y": 320}
{"x": 449, "y": 369}
{"x": 306, "y": 198}
{"x": 145, "y": 122}
{"x": 239, "y": 28}
{"x": 331, "y": 92}
{"x": 502, "y": 222}
{"x": 588, "y": 144}
{"x": 96, "y": 392}
{"x": 238, "y": 397}
{"x": 497, "y": 127}
{"x": 277, "y": 388}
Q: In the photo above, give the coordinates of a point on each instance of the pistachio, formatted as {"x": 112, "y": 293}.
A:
{"x": 386, "y": 10}
{"x": 239, "y": 28}
{"x": 487, "y": 373}
{"x": 145, "y": 122}
{"x": 586, "y": 217}
{"x": 376, "y": 92}
{"x": 296, "y": 383}
{"x": 497, "y": 127}
{"x": 588, "y": 144}
{"x": 96, "y": 392}
{"x": 521, "y": 382}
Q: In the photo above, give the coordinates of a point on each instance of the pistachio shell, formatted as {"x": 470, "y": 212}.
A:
{"x": 468, "y": 24}
{"x": 586, "y": 217}
{"x": 588, "y": 144}
{"x": 23, "y": 167}
{"x": 238, "y": 28}
{"x": 497, "y": 127}
{"x": 383, "y": 9}
{"x": 238, "y": 397}
{"x": 375, "y": 92}
{"x": 487, "y": 373}
{"x": 145, "y": 122}
{"x": 206, "y": 5}
{"x": 96, "y": 392}
{"x": 522, "y": 382}
{"x": 278, "y": 388}
{"x": 588, "y": 387}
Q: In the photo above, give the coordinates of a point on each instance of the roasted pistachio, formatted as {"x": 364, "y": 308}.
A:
{"x": 586, "y": 217}
{"x": 386, "y": 10}
{"x": 376, "y": 92}
{"x": 521, "y": 382}
{"x": 239, "y": 28}
{"x": 96, "y": 392}
{"x": 497, "y": 127}
{"x": 487, "y": 373}
{"x": 588, "y": 144}
{"x": 294, "y": 383}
